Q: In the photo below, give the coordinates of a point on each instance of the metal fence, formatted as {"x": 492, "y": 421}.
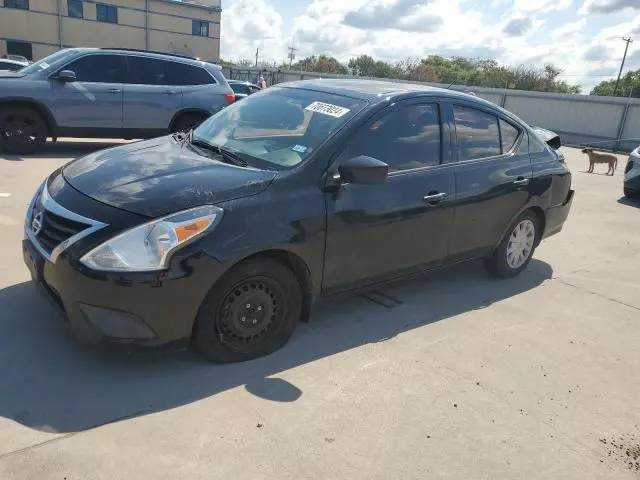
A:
{"x": 609, "y": 123}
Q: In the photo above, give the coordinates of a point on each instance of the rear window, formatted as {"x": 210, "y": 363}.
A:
{"x": 239, "y": 87}
{"x": 183, "y": 74}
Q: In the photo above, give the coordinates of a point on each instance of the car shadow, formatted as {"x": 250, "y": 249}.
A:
{"x": 63, "y": 149}
{"x": 49, "y": 382}
{"x": 631, "y": 202}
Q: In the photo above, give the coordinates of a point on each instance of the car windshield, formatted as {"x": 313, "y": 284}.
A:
{"x": 57, "y": 58}
{"x": 278, "y": 128}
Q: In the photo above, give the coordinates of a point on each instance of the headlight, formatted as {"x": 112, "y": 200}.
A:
{"x": 148, "y": 247}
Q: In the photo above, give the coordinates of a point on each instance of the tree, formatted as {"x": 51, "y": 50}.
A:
{"x": 366, "y": 66}
{"x": 321, "y": 64}
{"x": 629, "y": 85}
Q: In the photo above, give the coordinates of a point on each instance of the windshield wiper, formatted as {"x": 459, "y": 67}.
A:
{"x": 228, "y": 155}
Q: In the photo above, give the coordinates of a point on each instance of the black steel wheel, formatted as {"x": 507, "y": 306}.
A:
{"x": 22, "y": 130}
{"x": 252, "y": 311}
{"x": 187, "y": 121}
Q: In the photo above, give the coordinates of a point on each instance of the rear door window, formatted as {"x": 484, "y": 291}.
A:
{"x": 508, "y": 135}
{"x": 477, "y": 133}
{"x": 146, "y": 71}
{"x": 183, "y": 74}
{"x": 98, "y": 68}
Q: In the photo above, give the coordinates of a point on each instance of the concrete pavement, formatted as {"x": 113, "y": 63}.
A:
{"x": 464, "y": 377}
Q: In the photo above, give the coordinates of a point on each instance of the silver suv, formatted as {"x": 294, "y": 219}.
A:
{"x": 107, "y": 93}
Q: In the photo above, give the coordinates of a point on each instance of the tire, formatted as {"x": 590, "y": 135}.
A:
{"x": 187, "y": 121}
{"x": 22, "y": 130}
{"x": 251, "y": 312}
{"x": 505, "y": 261}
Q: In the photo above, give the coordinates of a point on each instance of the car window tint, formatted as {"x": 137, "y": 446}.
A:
{"x": 146, "y": 71}
{"x": 405, "y": 138}
{"x": 536, "y": 145}
{"x": 98, "y": 68}
{"x": 477, "y": 133}
{"x": 239, "y": 88}
{"x": 509, "y": 135}
{"x": 183, "y": 74}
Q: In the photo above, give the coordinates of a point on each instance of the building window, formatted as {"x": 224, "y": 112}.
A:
{"x": 21, "y": 4}
{"x": 200, "y": 28}
{"x": 22, "y": 49}
{"x": 106, "y": 13}
{"x": 75, "y": 8}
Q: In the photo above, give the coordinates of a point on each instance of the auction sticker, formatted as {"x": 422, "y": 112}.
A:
{"x": 328, "y": 109}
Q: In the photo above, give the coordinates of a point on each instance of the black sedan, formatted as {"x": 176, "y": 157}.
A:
{"x": 228, "y": 235}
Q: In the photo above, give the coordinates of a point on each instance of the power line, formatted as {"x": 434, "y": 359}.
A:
{"x": 624, "y": 57}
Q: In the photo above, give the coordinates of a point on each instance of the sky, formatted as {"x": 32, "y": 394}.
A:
{"x": 582, "y": 37}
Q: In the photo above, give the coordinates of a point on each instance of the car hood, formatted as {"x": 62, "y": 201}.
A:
{"x": 160, "y": 176}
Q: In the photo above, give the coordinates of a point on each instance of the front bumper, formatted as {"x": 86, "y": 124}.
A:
{"x": 148, "y": 309}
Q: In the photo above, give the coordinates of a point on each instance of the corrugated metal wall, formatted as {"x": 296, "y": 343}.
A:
{"x": 603, "y": 122}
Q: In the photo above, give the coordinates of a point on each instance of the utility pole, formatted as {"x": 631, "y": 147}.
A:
{"x": 624, "y": 57}
{"x": 257, "y": 52}
{"x": 292, "y": 55}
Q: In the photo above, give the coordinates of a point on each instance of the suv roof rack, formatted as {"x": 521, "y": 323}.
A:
{"x": 149, "y": 51}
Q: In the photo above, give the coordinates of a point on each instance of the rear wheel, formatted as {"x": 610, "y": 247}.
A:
{"x": 516, "y": 249}
{"x": 252, "y": 311}
{"x": 22, "y": 130}
{"x": 187, "y": 121}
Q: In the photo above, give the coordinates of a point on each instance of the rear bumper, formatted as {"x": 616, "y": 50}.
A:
{"x": 556, "y": 216}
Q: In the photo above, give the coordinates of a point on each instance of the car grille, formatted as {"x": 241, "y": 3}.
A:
{"x": 55, "y": 229}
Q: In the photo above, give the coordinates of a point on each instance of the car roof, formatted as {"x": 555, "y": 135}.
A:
{"x": 239, "y": 82}
{"x": 372, "y": 90}
{"x": 148, "y": 54}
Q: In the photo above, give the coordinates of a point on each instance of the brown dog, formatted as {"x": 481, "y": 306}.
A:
{"x": 596, "y": 157}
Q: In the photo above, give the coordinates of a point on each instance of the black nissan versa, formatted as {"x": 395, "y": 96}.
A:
{"x": 228, "y": 234}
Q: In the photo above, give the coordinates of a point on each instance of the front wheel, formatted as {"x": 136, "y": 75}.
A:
{"x": 22, "y": 130}
{"x": 252, "y": 311}
{"x": 516, "y": 249}
{"x": 187, "y": 122}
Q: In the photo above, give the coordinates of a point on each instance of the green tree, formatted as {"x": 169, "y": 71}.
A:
{"x": 629, "y": 85}
{"x": 321, "y": 64}
{"x": 366, "y": 66}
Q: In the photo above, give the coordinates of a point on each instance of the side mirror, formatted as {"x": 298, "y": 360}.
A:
{"x": 66, "y": 76}
{"x": 363, "y": 169}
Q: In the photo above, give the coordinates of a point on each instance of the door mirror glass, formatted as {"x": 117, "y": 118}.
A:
{"x": 363, "y": 169}
{"x": 67, "y": 76}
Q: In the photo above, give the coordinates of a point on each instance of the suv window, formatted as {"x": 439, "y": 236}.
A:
{"x": 146, "y": 71}
{"x": 98, "y": 68}
{"x": 477, "y": 133}
{"x": 509, "y": 135}
{"x": 239, "y": 88}
{"x": 405, "y": 138}
{"x": 183, "y": 74}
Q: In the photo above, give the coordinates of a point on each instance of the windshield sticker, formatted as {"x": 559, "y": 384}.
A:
{"x": 299, "y": 148}
{"x": 328, "y": 109}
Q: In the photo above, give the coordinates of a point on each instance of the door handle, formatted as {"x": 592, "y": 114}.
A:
{"x": 434, "y": 198}
{"x": 521, "y": 181}
{"x": 113, "y": 90}
{"x": 169, "y": 92}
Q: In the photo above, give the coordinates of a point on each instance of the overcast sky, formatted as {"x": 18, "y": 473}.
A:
{"x": 583, "y": 37}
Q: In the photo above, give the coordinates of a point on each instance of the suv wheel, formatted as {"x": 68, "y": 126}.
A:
{"x": 22, "y": 130}
{"x": 516, "y": 249}
{"x": 187, "y": 122}
{"x": 252, "y": 311}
